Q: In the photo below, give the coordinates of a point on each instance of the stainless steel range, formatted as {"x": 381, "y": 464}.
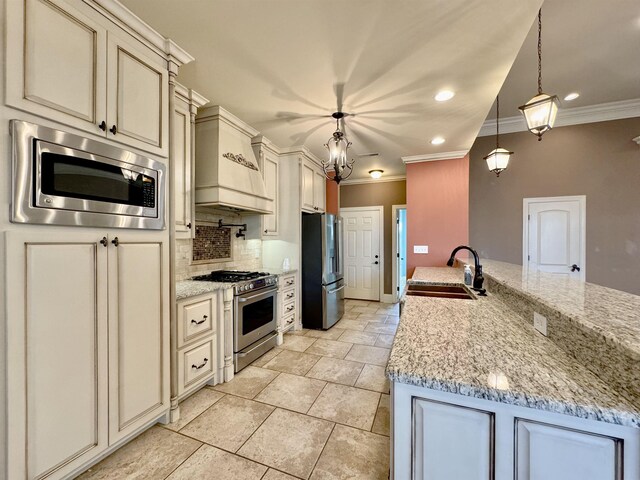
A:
{"x": 254, "y": 312}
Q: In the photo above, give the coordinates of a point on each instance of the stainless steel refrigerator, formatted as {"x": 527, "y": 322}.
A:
{"x": 322, "y": 277}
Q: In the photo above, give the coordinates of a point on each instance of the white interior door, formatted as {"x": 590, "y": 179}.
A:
{"x": 554, "y": 237}
{"x": 362, "y": 252}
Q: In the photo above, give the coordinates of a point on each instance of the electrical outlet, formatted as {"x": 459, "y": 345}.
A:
{"x": 421, "y": 249}
{"x": 540, "y": 323}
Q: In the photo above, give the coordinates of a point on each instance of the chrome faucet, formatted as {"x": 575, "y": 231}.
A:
{"x": 478, "y": 279}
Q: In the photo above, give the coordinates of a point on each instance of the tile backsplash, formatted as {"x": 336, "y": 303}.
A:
{"x": 245, "y": 254}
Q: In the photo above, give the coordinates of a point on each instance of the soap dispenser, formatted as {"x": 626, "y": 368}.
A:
{"x": 467, "y": 275}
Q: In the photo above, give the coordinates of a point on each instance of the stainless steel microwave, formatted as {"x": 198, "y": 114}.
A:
{"x": 64, "y": 179}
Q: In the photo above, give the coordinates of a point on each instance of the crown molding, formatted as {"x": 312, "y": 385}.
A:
{"x": 637, "y": 139}
{"x": 360, "y": 181}
{"x": 434, "y": 157}
{"x": 570, "y": 116}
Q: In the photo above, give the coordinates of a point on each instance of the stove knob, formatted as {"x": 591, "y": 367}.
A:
{"x": 251, "y": 286}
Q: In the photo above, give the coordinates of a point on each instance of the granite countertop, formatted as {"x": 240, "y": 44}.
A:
{"x": 486, "y": 349}
{"x": 279, "y": 272}
{"x": 191, "y": 288}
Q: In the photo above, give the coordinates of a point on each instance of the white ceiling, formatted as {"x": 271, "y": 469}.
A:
{"x": 588, "y": 46}
{"x": 281, "y": 65}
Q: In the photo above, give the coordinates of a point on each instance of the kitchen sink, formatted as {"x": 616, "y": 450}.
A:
{"x": 440, "y": 291}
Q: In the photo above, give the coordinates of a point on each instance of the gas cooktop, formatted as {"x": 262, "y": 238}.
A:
{"x": 230, "y": 276}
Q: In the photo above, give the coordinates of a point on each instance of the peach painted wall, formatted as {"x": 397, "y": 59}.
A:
{"x": 437, "y": 210}
{"x": 332, "y": 197}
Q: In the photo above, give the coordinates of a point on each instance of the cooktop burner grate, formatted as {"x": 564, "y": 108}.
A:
{"x": 230, "y": 276}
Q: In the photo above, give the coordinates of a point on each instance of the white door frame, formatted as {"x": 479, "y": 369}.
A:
{"x": 379, "y": 209}
{"x": 394, "y": 251}
{"x": 582, "y": 200}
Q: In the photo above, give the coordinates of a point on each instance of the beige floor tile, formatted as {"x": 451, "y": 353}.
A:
{"x": 292, "y": 392}
{"x": 288, "y": 441}
{"x": 247, "y": 383}
{"x": 368, "y": 354}
{"x": 260, "y": 362}
{"x": 355, "y": 303}
{"x": 384, "y": 341}
{"x": 228, "y": 423}
{"x": 372, "y": 317}
{"x": 227, "y": 466}
{"x": 336, "y": 371}
{"x": 354, "y": 454}
{"x": 352, "y": 324}
{"x": 276, "y": 475}
{"x": 297, "y": 343}
{"x": 331, "y": 334}
{"x": 302, "y": 331}
{"x": 373, "y": 378}
{"x": 293, "y": 362}
{"x": 360, "y": 309}
{"x": 152, "y": 455}
{"x": 352, "y": 406}
{"x": 330, "y": 348}
{"x": 194, "y": 406}
{"x": 392, "y": 319}
{"x": 381, "y": 423}
{"x": 361, "y": 338}
{"x": 349, "y": 315}
{"x": 379, "y": 327}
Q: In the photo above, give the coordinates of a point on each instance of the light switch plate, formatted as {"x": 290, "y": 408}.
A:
{"x": 421, "y": 249}
{"x": 540, "y": 323}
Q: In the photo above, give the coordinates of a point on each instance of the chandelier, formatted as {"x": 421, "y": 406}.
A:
{"x": 498, "y": 159}
{"x": 540, "y": 112}
{"x": 337, "y": 167}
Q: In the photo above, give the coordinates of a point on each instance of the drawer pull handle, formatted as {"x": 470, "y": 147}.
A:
{"x": 290, "y": 295}
{"x": 290, "y": 282}
{"x": 198, "y": 367}
{"x": 290, "y": 307}
{"x": 290, "y": 322}
{"x": 204, "y": 319}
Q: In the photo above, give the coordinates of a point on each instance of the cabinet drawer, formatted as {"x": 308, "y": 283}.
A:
{"x": 288, "y": 281}
{"x": 288, "y": 295}
{"x": 195, "y": 319}
{"x": 288, "y": 307}
{"x": 196, "y": 364}
{"x": 287, "y": 321}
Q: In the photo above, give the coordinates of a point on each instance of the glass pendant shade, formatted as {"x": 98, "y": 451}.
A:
{"x": 337, "y": 167}
{"x": 540, "y": 113}
{"x": 498, "y": 160}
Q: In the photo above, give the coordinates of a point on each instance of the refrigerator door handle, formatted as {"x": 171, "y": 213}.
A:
{"x": 329, "y": 292}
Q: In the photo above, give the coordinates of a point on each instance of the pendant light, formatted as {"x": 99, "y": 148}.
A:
{"x": 337, "y": 167}
{"x": 540, "y": 112}
{"x": 498, "y": 159}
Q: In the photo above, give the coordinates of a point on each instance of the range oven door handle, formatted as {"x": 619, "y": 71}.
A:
{"x": 251, "y": 297}
{"x": 244, "y": 354}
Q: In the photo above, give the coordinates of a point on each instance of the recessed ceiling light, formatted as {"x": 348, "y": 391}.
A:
{"x": 437, "y": 141}
{"x": 572, "y": 96}
{"x": 444, "y": 95}
{"x": 376, "y": 173}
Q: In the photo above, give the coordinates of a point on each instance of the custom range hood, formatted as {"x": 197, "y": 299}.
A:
{"x": 227, "y": 174}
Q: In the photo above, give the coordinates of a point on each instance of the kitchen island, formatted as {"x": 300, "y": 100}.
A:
{"x": 478, "y": 393}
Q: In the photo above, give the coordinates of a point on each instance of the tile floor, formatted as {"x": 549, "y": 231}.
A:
{"x": 317, "y": 407}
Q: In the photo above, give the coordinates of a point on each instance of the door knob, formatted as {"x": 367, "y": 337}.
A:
{"x": 575, "y": 268}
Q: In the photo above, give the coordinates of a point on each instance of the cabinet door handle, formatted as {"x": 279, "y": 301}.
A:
{"x": 103, "y": 126}
{"x": 189, "y": 225}
{"x": 115, "y": 241}
{"x": 198, "y": 367}
{"x": 265, "y": 230}
{"x": 104, "y": 241}
{"x": 113, "y": 129}
{"x": 204, "y": 319}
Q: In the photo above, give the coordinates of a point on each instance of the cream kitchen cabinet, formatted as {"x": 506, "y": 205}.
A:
{"x": 287, "y": 303}
{"x": 87, "y": 345}
{"x": 70, "y": 64}
{"x": 312, "y": 186}
{"x": 185, "y": 108}
{"x": 268, "y": 159}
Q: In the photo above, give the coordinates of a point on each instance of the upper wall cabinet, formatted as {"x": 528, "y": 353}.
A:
{"x": 312, "y": 186}
{"x": 185, "y": 106}
{"x": 72, "y": 65}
